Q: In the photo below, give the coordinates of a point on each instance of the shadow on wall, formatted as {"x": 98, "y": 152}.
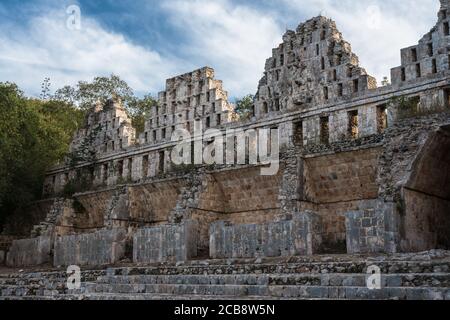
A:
{"x": 425, "y": 220}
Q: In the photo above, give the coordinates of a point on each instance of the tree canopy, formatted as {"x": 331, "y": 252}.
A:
{"x": 244, "y": 106}
{"x": 34, "y": 135}
{"x": 86, "y": 94}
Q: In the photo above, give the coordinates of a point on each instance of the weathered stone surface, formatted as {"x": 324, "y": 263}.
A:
{"x": 373, "y": 168}
{"x": 298, "y": 236}
{"x": 29, "y": 252}
{"x": 422, "y": 276}
{"x": 91, "y": 249}
{"x": 166, "y": 243}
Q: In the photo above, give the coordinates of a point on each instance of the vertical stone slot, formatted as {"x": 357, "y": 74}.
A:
{"x": 130, "y": 168}
{"x": 120, "y": 169}
{"x": 161, "y": 162}
{"x": 414, "y": 55}
{"x": 355, "y": 85}
{"x": 145, "y": 166}
{"x": 340, "y": 90}
{"x": 418, "y": 71}
{"x": 324, "y": 130}
{"x": 430, "y": 49}
{"x": 298, "y": 133}
{"x": 325, "y": 93}
{"x": 353, "y": 124}
{"x": 105, "y": 172}
{"x": 382, "y": 121}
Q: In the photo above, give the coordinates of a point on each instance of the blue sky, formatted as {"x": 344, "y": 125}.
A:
{"x": 147, "y": 41}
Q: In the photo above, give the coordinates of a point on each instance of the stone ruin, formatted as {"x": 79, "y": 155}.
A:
{"x": 363, "y": 169}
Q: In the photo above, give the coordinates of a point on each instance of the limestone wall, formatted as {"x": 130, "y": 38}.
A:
{"x": 93, "y": 207}
{"x": 91, "y": 249}
{"x": 336, "y": 183}
{"x": 427, "y": 223}
{"x": 239, "y": 196}
{"x": 153, "y": 202}
{"x": 299, "y": 236}
{"x": 313, "y": 66}
{"x": 373, "y": 228}
{"x": 29, "y": 252}
{"x": 166, "y": 243}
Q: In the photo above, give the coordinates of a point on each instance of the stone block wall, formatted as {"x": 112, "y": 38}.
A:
{"x": 299, "y": 236}
{"x": 90, "y": 249}
{"x": 429, "y": 56}
{"x": 187, "y": 98}
{"x": 239, "y": 196}
{"x": 29, "y": 252}
{"x": 166, "y": 243}
{"x": 313, "y": 66}
{"x": 337, "y": 183}
{"x": 373, "y": 228}
{"x": 153, "y": 202}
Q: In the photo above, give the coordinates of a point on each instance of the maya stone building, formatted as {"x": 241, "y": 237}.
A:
{"x": 363, "y": 169}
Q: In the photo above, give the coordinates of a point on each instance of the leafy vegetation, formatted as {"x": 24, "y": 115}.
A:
{"x": 86, "y": 94}
{"x": 34, "y": 134}
{"x": 244, "y": 107}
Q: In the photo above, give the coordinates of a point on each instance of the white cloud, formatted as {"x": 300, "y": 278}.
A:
{"x": 46, "y": 47}
{"x": 233, "y": 39}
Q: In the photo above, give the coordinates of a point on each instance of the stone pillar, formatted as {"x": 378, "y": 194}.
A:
{"x": 365, "y": 231}
{"x": 103, "y": 247}
{"x": 29, "y": 252}
{"x": 373, "y": 229}
{"x": 309, "y": 226}
{"x": 166, "y": 243}
{"x": 295, "y": 236}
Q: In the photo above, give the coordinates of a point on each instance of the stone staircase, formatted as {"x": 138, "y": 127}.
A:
{"x": 404, "y": 277}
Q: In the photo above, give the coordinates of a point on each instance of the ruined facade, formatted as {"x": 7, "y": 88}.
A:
{"x": 363, "y": 169}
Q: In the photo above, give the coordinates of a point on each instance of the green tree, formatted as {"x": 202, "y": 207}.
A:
{"x": 34, "y": 135}
{"x": 86, "y": 94}
{"x": 244, "y": 107}
{"x": 139, "y": 110}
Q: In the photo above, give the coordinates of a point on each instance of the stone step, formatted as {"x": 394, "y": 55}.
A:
{"x": 276, "y": 292}
{"x": 397, "y": 280}
{"x": 280, "y": 291}
{"x": 280, "y": 267}
{"x": 359, "y": 293}
{"x": 139, "y": 283}
{"x": 290, "y": 268}
{"x": 144, "y": 296}
{"x": 50, "y": 289}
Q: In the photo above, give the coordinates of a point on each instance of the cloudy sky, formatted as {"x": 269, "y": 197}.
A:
{"x": 147, "y": 41}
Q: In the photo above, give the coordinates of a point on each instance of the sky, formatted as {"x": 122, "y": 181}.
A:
{"x": 148, "y": 41}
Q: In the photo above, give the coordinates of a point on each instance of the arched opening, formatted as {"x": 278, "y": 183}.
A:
{"x": 425, "y": 212}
